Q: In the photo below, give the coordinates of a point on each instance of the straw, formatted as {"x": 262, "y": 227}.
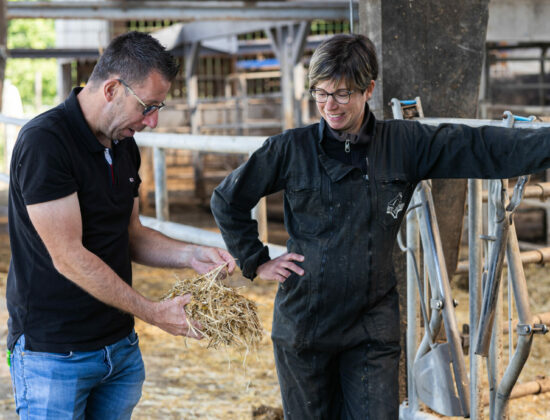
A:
{"x": 227, "y": 318}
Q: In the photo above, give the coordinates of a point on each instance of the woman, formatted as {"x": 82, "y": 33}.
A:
{"x": 347, "y": 182}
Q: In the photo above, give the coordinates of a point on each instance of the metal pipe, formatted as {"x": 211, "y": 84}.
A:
{"x": 524, "y": 316}
{"x": 539, "y": 386}
{"x": 198, "y": 236}
{"x": 494, "y": 360}
{"x": 183, "y": 11}
{"x": 412, "y": 337}
{"x": 428, "y": 121}
{"x": 11, "y": 120}
{"x": 438, "y": 274}
{"x": 480, "y": 123}
{"x": 161, "y": 192}
{"x": 540, "y": 190}
{"x": 218, "y": 144}
{"x": 538, "y": 256}
{"x": 476, "y": 264}
{"x": 542, "y": 318}
{"x": 492, "y": 285}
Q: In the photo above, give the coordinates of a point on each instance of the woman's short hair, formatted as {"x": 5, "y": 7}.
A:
{"x": 349, "y": 57}
{"x": 132, "y": 56}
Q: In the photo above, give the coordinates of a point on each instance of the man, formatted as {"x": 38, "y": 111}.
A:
{"x": 347, "y": 182}
{"x": 74, "y": 230}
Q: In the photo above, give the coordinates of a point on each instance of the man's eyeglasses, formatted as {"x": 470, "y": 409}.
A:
{"x": 147, "y": 109}
{"x": 342, "y": 96}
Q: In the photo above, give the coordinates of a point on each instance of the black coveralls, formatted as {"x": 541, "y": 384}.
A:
{"x": 336, "y": 328}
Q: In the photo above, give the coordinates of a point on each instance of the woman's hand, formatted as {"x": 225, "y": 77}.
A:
{"x": 281, "y": 267}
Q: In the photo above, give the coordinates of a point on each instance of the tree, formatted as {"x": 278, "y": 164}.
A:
{"x": 36, "y": 34}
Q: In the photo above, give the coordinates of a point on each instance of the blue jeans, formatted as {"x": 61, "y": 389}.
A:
{"x": 103, "y": 384}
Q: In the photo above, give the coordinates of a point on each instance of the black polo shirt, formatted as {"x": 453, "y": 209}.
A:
{"x": 56, "y": 155}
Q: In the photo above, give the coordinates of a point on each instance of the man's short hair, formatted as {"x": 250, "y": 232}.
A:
{"x": 349, "y": 57}
{"x": 132, "y": 56}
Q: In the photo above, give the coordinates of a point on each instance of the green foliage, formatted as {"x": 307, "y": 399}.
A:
{"x": 37, "y": 34}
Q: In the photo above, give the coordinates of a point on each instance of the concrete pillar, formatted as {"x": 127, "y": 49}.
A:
{"x": 432, "y": 49}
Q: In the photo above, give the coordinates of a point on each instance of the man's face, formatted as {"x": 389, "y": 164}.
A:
{"x": 343, "y": 117}
{"x": 127, "y": 117}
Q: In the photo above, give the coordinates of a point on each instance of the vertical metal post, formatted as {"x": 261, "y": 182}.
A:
{"x": 413, "y": 320}
{"x": 475, "y": 257}
{"x": 494, "y": 361}
{"x": 287, "y": 77}
{"x": 541, "y": 76}
{"x": 161, "y": 193}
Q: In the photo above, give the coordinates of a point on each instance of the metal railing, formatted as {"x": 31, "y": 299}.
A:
{"x": 162, "y": 141}
{"x": 432, "y": 363}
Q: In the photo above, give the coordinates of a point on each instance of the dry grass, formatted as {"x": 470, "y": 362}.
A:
{"x": 227, "y": 318}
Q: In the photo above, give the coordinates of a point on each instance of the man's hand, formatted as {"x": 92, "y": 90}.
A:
{"x": 205, "y": 259}
{"x": 170, "y": 316}
{"x": 281, "y": 267}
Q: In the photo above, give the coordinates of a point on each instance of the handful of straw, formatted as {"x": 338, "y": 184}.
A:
{"x": 227, "y": 317}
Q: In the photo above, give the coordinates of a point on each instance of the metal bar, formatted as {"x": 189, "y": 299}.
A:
{"x": 183, "y": 11}
{"x": 524, "y": 109}
{"x": 161, "y": 193}
{"x": 413, "y": 325}
{"x": 540, "y": 190}
{"x": 494, "y": 353}
{"x": 428, "y": 121}
{"x": 542, "y": 318}
{"x": 523, "y": 348}
{"x": 476, "y": 263}
{"x": 219, "y": 144}
{"x": 11, "y": 120}
{"x": 499, "y": 222}
{"x": 396, "y": 109}
{"x": 539, "y": 256}
{"x": 196, "y": 235}
{"x": 438, "y": 274}
{"x": 480, "y": 123}
{"x": 538, "y": 386}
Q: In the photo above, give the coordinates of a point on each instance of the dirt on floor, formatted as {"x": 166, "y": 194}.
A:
{"x": 187, "y": 381}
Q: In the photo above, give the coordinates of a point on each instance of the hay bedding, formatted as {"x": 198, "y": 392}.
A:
{"x": 227, "y": 318}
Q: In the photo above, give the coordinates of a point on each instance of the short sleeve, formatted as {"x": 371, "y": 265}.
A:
{"x": 42, "y": 167}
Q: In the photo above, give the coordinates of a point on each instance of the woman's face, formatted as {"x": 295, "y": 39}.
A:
{"x": 343, "y": 117}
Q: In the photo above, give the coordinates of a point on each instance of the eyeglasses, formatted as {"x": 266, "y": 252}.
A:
{"x": 342, "y": 96}
{"x": 147, "y": 109}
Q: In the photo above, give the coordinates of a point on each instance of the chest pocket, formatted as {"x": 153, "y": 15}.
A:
{"x": 303, "y": 195}
{"x": 393, "y": 197}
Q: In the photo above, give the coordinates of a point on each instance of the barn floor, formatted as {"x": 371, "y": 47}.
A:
{"x": 187, "y": 381}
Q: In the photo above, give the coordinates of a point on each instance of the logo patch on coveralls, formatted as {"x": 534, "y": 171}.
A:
{"x": 395, "y": 205}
